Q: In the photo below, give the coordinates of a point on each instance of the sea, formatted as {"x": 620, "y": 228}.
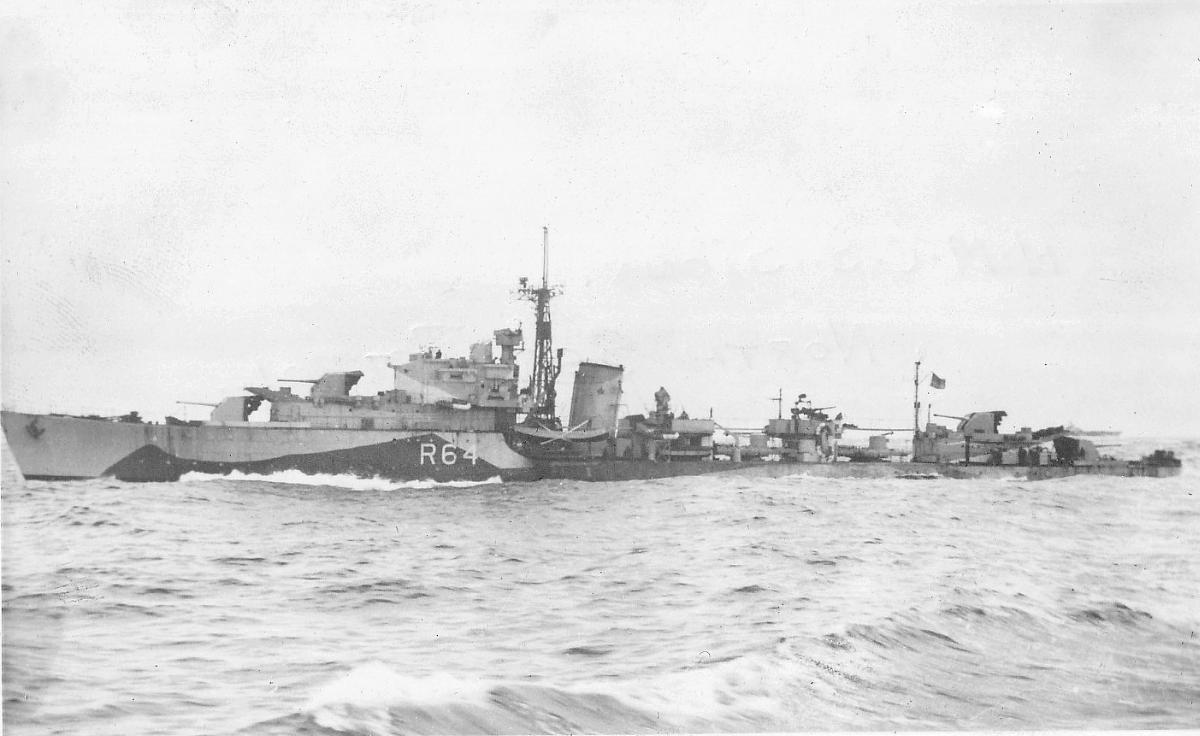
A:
{"x": 292, "y": 604}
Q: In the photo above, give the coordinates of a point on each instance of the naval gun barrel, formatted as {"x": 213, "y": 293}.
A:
{"x": 949, "y": 416}
{"x": 298, "y": 380}
{"x": 197, "y": 403}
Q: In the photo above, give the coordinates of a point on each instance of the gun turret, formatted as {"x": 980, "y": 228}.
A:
{"x": 331, "y": 386}
{"x": 232, "y": 409}
{"x": 818, "y": 413}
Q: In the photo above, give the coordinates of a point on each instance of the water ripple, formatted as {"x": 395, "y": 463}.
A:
{"x": 687, "y": 604}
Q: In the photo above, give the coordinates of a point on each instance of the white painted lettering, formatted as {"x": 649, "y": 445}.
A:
{"x": 448, "y": 456}
{"x": 428, "y": 450}
{"x": 469, "y": 454}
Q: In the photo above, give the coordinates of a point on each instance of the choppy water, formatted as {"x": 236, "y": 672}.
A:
{"x": 697, "y": 604}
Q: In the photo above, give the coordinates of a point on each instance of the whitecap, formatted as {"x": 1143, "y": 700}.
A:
{"x": 374, "y": 685}
{"x": 352, "y": 482}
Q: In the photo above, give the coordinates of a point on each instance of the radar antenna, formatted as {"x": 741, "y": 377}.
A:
{"x": 546, "y": 363}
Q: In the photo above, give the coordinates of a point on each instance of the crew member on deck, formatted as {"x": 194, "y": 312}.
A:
{"x": 662, "y": 400}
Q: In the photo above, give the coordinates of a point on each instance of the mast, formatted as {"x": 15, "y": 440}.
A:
{"x": 546, "y": 364}
{"x": 917, "y": 397}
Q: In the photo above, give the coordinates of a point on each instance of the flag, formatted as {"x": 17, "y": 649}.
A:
{"x": 937, "y": 382}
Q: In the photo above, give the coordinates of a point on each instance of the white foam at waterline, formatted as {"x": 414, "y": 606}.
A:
{"x": 352, "y": 482}
{"x": 802, "y": 476}
{"x": 374, "y": 684}
{"x": 10, "y": 472}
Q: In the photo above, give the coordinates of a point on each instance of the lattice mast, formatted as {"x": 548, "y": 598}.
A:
{"x": 546, "y": 363}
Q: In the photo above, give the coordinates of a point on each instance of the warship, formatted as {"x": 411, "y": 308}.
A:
{"x": 473, "y": 418}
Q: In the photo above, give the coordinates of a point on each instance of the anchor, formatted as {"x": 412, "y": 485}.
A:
{"x": 34, "y": 430}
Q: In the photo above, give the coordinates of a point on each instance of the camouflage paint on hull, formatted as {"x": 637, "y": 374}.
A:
{"x": 60, "y": 447}
{"x": 396, "y": 460}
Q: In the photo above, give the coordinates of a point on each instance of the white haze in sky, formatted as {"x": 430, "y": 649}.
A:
{"x": 198, "y": 197}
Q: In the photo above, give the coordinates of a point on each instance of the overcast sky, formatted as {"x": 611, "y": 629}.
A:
{"x": 198, "y": 197}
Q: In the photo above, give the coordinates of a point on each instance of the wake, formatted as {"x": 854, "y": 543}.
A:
{"x": 350, "y": 482}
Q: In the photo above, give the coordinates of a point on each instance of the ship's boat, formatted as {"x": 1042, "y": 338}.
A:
{"x": 544, "y": 435}
{"x": 548, "y": 442}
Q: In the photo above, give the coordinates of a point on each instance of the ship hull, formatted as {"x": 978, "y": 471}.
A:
{"x": 618, "y": 470}
{"x": 65, "y": 448}
{"x": 61, "y": 447}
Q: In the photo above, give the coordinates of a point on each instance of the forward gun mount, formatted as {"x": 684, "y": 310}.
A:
{"x": 329, "y": 386}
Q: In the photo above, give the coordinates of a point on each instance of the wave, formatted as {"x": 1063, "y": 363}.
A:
{"x": 351, "y": 482}
{"x": 753, "y": 693}
{"x": 967, "y": 664}
{"x": 375, "y": 699}
{"x": 376, "y": 684}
